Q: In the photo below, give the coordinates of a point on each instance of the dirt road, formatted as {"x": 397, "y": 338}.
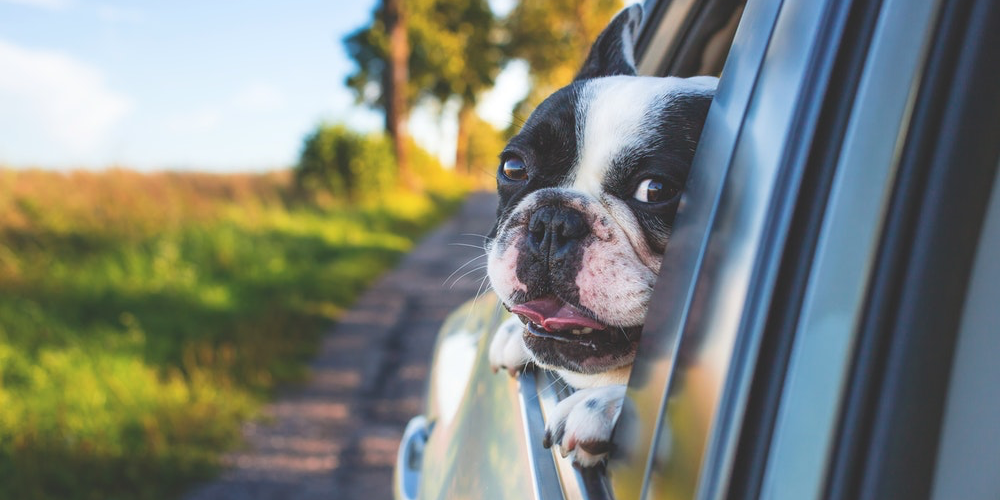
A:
{"x": 336, "y": 436}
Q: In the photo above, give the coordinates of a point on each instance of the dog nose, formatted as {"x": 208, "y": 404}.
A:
{"x": 555, "y": 230}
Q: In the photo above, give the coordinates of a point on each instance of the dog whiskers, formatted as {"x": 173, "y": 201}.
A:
{"x": 479, "y": 293}
{"x": 473, "y": 270}
{"x": 470, "y": 261}
{"x": 475, "y": 235}
{"x": 624, "y": 333}
{"x": 519, "y": 121}
{"x": 483, "y": 291}
{"x": 477, "y": 247}
{"x": 556, "y": 380}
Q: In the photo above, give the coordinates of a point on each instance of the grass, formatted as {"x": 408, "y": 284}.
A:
{"x": 144, "y": 316}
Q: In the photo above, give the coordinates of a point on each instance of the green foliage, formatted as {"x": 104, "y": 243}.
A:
{"x": 554, "y": 37}
{"x": 346, "y": 164}
{"x": 453, "y": 51}
{"x": 485, "y": 145}
{"x": 457, "y": 38}
{"x": 142, "y": 317}
{"x": 339, "y": 164}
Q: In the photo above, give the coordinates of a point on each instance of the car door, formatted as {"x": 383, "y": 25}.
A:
{"x": 776, "y": 352}
{"x": 800, "y": 343}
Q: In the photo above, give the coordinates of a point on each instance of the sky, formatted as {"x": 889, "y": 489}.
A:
{"x": 197, "y": 85}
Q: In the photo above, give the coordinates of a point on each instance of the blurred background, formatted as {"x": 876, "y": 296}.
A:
{"x": 191, "y": 193}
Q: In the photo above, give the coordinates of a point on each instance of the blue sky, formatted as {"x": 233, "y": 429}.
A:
{"x": 221, "y": 86}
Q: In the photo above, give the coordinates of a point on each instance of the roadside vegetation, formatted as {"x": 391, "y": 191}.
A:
{"x": 144, "y": 316}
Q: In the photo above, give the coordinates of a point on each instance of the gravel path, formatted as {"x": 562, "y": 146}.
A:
{"x": 335, "y": 437}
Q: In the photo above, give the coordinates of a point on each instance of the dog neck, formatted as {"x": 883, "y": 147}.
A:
{"x": 618, "y": 376}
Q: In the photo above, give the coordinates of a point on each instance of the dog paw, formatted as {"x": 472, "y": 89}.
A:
{"x": 507, "y": 351}
{"x": 582, "y": 423}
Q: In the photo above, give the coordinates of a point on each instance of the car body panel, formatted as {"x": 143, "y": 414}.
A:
{"x": 490, "y": 427}
{"x": 834, "y": 300}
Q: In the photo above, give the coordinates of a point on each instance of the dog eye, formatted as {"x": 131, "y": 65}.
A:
{"x": 513, "y": 168}
{"x": 653, "y": 191}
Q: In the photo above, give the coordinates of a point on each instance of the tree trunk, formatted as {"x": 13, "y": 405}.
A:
{"x": 395, "y": 86}
{"x": 465, "y": 115}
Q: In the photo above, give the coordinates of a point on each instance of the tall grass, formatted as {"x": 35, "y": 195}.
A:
{"x": 143, "y": 316}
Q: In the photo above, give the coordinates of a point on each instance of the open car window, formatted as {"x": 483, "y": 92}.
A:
{"x": 684, "y": 354}
{"x": 677, "y": 38}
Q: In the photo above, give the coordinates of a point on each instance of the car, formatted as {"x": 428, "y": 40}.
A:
{"x": 826, "y": 320}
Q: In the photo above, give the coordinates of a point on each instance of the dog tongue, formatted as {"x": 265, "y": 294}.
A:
{"x": 554, "y": 314}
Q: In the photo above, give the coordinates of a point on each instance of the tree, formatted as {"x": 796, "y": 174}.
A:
{"x": 453, "y": 53}
{"x": 554, "y": 37}
{"x": 396, "y": 109}
{"x": 382, "y": 52}
{"x": 461, "y": 42}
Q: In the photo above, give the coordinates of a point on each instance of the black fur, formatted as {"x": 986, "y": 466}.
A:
{"x": 609, "y": 55}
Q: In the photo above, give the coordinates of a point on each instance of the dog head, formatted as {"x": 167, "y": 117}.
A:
{"x": 588, "y": 191}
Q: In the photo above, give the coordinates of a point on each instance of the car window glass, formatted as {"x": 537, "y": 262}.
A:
{"x": 970, "y": 443}
{"x": 637, "y": 429}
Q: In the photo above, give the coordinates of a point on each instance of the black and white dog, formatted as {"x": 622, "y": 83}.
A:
{"x": 588, "y": 190}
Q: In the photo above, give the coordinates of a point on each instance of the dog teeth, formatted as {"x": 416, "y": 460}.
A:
{"x": 576, "y": 332}
{"x": 588, "y": 330}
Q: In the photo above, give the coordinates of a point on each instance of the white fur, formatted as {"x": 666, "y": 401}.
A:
{"x": 584, "y": 381}
{"x": 507, "y": 350}
{"x": 587, "y": 415}
{"x": 502, "y": 265}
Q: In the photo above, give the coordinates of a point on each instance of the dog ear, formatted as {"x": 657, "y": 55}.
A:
{"x": 613, "y": 53}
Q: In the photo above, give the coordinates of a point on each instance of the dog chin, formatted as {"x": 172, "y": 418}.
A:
{"x": 593, "y": 353}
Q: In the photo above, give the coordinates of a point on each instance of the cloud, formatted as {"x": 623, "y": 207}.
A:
{"x": 65, "y": 100}
{"x": 54, "y": 5}
{"x": 259, "y": 97}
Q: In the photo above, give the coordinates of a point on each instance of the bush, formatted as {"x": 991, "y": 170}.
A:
{"x": 346, "y": 164}
{"x": 341, "y": 165}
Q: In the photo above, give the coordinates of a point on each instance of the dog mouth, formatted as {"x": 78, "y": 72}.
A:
{"x": 554, "y": 319}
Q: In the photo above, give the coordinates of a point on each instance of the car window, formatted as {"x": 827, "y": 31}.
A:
{"x": 679, "y": 39}
{"x": 687, "y": 38}
{"x": 676, "y": 449}
{"x": 970, "y": 443}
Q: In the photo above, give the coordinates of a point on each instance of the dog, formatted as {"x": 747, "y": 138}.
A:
{"x": 588, "y": 191}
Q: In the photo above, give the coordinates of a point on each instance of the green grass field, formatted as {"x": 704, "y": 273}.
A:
{"x": 144, "y": 316}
